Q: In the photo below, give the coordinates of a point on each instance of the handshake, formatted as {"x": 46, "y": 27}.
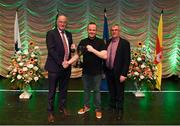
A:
{"x": 65, "y": 63}
{"x": 80, "y": 51}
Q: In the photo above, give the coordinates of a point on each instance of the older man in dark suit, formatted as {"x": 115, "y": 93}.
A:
{"x": 117, "y": 66}
{"x": 59, "y": 42}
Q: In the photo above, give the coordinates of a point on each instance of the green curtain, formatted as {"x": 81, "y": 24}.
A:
{"x": 138, "y": 20}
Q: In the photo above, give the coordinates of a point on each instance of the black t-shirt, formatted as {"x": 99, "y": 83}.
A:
{"x": 92, "y": 64}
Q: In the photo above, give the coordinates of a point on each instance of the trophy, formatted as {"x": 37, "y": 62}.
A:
{"x": 80, "y": 51}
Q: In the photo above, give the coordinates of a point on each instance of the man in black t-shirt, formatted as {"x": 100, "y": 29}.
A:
{"x": 92, "y": 64}
{"x": 94, "y": 51}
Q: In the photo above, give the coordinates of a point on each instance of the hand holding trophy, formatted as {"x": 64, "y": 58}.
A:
{"x": 80, "y": 51}
{"x": 76, "y": 59}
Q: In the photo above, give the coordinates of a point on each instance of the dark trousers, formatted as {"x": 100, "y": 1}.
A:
{"x": 58, "y": 79}
{"x": 116, "y": 90}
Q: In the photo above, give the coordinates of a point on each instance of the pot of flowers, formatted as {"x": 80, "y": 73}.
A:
{"x": 25, "y": 70}
{"x": 142, "y": 69}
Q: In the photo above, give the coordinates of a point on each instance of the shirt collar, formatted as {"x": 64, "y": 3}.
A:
{"x": 61, "y": 31}
{"x": 115, "y": 39}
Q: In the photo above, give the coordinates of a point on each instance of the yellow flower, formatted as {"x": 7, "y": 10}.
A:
{"x": 140, "y": 44}
{"x": 20, "y": 71}
{"x": 135, "y": 54}
{"x": 31, "y": 43}
{"x": 31, "y": 60}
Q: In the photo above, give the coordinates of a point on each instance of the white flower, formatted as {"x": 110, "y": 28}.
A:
{"x": 148, "y": 56}
{"x": 36, "y": 78}
{"x": 142, "y": 77}
{"x": 18, "y": 59}
{"x": 36, "y": 47}
{"x": 19, "y": 77}
{"x": 18, "y": 52}
{"x": 33, "y": 55}
{"x": 26, "y": 75}
{"x": 15, "y": 70}
{"x": 143, "y": 66}
{"x": 139, "y": 59}
{"x": 30, "y": 66}
{"x": 35, "y": 68}
{"x": 21, "y": 64}
{"x": 136, "y": 73}
{"x": 25, "y": 68}
{"x": 143, "y": 46}
{"x": 8, "y": 76}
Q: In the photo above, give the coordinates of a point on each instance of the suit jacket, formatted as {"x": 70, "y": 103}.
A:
{"x": 56, "y": 50}
{"x": 122, "y": 57}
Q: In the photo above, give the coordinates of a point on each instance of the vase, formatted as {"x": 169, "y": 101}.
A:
{"x": 138, "y": 92}
{"x": 26, "y": 92}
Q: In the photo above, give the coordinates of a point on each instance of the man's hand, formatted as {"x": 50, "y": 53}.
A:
{"x": 122, "y": 78}
{"x": 65, "y": 64}
{"x": 90, "y": 48}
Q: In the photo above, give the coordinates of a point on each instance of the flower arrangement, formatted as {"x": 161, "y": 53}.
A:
{"x": 142, "y": 68}
{"x": 24, "y": 68}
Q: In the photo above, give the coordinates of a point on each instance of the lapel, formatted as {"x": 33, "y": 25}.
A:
{"x": 59, "y": 36}
{"x": 108, "y": 42}
{"x": 119, "y": 46}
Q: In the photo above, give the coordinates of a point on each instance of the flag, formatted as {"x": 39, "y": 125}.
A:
{"x": 105, "y": 38}
{"x": 105, "y": 29}
{"x": 17, "y": 34}
{"x": 158, "y": 52}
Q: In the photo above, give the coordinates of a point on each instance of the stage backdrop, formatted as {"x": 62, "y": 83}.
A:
{"x": 138, "y": 18}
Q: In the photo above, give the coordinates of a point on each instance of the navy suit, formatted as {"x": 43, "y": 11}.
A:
{"x": 120, "y": 67}
{"x": 56, "y": 73}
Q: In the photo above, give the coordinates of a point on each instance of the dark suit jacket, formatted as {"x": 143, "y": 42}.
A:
{"x": 122, "y": 57}
{"x": 56, "y": 50}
